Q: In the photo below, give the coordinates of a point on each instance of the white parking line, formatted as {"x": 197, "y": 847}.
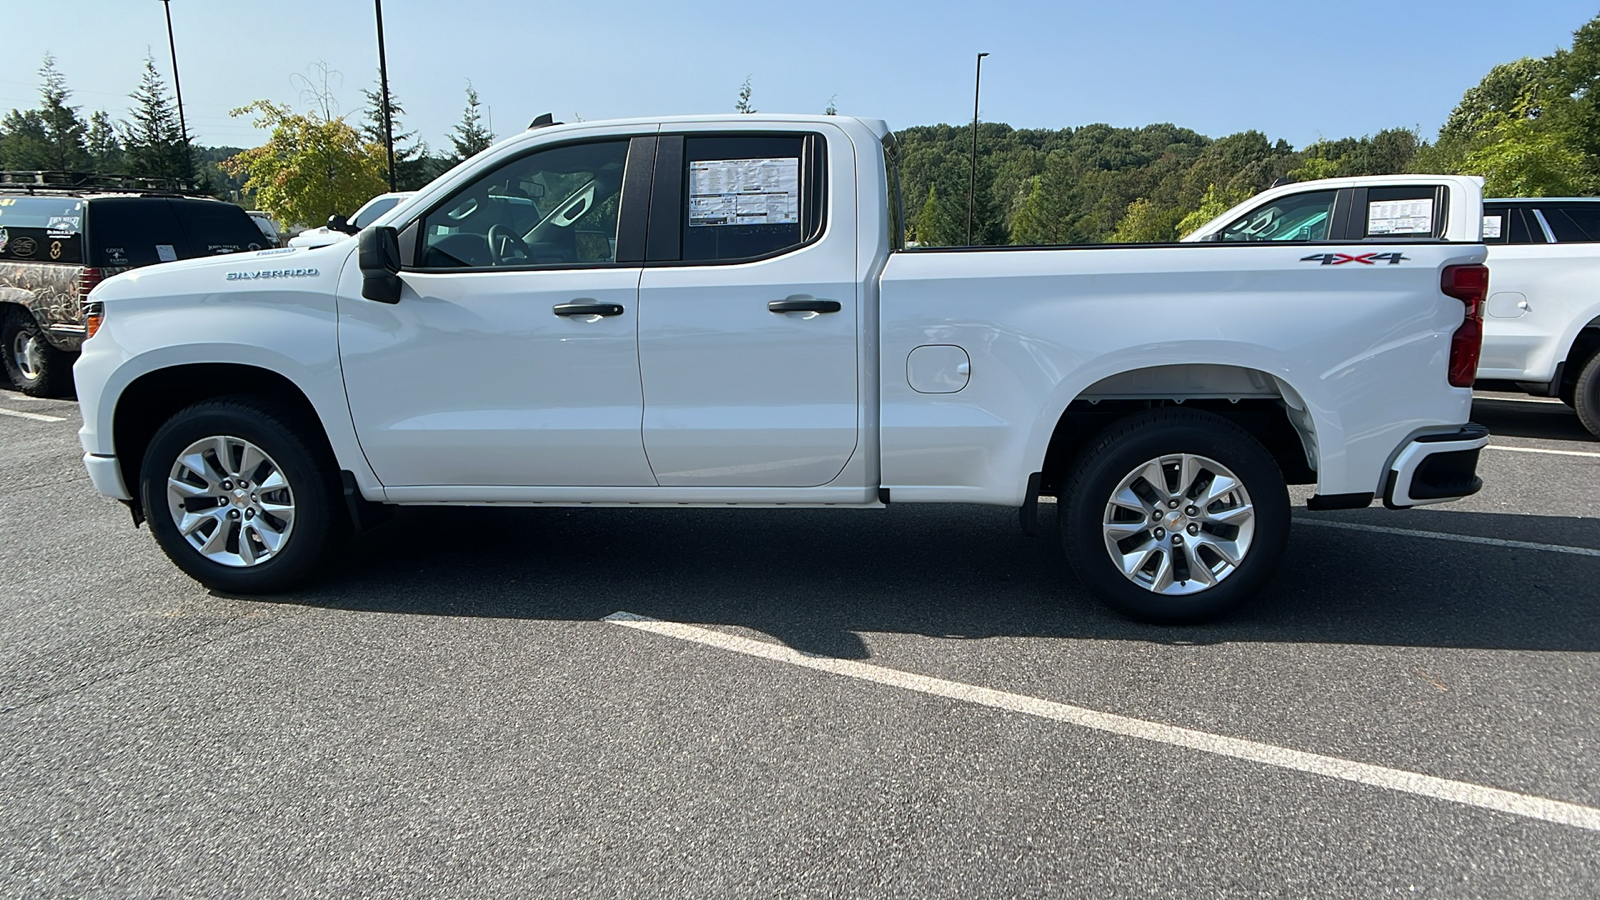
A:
{"x": 1461, "y": 792}
{"x": 1442, "y": 536}
{"x": 1542, "y": 450}
{"x": 37, "y": 417}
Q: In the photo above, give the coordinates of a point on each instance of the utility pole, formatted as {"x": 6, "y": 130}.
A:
{"x": 972, "y": 182}
{"x": 383, "y": 85}
{"x": 172, "y": 45}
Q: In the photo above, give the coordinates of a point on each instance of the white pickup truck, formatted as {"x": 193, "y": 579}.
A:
{"x": 1541, "y": 330}
{"x": 717, "y": 311}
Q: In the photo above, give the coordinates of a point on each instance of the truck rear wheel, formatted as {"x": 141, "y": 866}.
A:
{"x": 1175, "y": 516}
{"x": 237, "y": 496}
{"x": 35, "y": 367}
{"x": 1586, "y": 395}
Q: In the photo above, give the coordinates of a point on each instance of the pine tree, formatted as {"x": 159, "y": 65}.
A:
{"x": 105, "y": 149}
{"x": 153, "y": 141}
{"x": 410, "y": 155}
{"x": 470, "y": 137}
{"x": 743, "y": 106}
{"x": 64, "y": 148}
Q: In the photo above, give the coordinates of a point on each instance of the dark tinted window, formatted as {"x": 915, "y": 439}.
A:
{"x": 41, "y": 229}
{"x": 1573, "y": 224}
{"x": 134, "y": 231}
{"x": 214, "y": 227}
{"x": 1523, "y": 230}
{"x": 750, "y": 196}
{"x": 373, "y": 211}
{"x": 1297, "y": 217}
{"x": 1403, "y": 212}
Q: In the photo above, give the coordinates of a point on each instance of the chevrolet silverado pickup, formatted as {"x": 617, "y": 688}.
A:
{"x": 718, "y": 311}
{"x": 1541, "y": 327}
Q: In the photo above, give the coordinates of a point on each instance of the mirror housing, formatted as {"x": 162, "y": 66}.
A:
{"x": 337, "y": 222}
{"x": 379, "y": 258}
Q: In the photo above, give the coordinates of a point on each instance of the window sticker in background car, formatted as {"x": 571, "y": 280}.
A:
{"x": 1400, "y": 217}
{"x": 744, "y": 192}
{"x": 1491, "y": 227}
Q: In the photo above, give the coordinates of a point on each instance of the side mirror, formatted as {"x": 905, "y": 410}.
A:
{"x": 379, "y": 258}
{"x": 337, "y": 222}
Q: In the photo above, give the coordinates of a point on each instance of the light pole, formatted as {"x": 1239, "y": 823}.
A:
{"x": 383, "y": 85}
{"x": 972, "y": 182}
{"x": 172, "y": 45}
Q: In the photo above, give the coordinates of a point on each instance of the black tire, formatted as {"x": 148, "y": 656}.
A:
{"x": 1127, "y": 445}
{"x": 319, "y": 519}
{"x": 52, "y": 375}
{"x": 1586, "y": 395}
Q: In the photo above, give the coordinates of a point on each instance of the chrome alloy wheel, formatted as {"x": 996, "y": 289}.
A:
{"x": 230, "y": 501}
{"x": 1179, "y": 524}
{"x": 27, "y": 354}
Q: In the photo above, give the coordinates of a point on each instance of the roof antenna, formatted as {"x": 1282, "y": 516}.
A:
{"x": 543, "y": 121}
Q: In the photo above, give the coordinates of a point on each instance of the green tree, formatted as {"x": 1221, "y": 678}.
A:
{"x": 411, "y": 163}
{"x": 105, "y": 149}
{"x": 310, "y": 168}
{"x": 470, "y": 137}
{"x": 1524, "y": 157}
{"x": 1146, "y": 222}
{"x": 153, "y": 141}
{"x": 22, "y": 141}
{"x": 1217, "y": 200}
{"x": 64, "y": 148}
{"x": 743, "y": 106}
{"x": 936, "y": 224}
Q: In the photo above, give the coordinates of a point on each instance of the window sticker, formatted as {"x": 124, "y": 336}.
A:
{"x": 744, "y": 192}
{"x": 5, "y": 238}
{"x": 165, "y": 253}
{"x": 63, "y": 226}
{"x": 1400, "y": 217}
{"x": 1491, "y": 227}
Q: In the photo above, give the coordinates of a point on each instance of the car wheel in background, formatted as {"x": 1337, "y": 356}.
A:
{"x": 35, "y": 367}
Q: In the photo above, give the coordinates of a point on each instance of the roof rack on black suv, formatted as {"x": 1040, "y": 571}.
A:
{"x": 61, "y": 233}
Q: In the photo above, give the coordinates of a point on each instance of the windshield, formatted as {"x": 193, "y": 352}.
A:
{"x": 373, "y": 210}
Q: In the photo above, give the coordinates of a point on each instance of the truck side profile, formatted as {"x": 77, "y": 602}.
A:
{"x": 718, "y": 311}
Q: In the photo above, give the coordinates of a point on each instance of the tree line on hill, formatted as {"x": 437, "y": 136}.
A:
{"x": 1531, "y": 127}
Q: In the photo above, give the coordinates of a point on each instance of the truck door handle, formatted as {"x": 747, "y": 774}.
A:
{"x": 587, "y": 308}
{"x": 803, "y": 304}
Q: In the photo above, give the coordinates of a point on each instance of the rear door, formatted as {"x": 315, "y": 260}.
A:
{"x": 1543, "y": 267}
{"x": 748, "y": 309}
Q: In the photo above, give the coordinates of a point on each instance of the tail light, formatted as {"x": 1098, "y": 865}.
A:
{"x": 93, "y": 313}
{"x": 87, "y": 279}
{"x": 1470, "y": 285}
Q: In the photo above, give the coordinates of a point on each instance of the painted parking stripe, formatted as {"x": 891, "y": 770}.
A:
{"x": 1442, "y": 536}
{"x": 1542, "y": 450}
{"x": 37, "y": 417}
{"x": 1462, "y": 792}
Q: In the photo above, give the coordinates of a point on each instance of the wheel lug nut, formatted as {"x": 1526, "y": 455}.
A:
{"x": 249, "y": 514}
{"x": 233, "y": 514}
{"x": 1191, "y": 511}
{"x": 1172, "y": 504}
{"x": 1160, "y": 533}
{"x": 227, "y": 485}
{"x": 1193, "y": 529}
{"x": 1177, "y": 539}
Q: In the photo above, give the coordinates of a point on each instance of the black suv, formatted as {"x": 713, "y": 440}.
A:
{"x": 56, "y": 244}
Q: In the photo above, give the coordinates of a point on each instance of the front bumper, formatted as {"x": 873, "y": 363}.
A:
{"x": 106, "y": 473}
{"x": 1436, "y": 468}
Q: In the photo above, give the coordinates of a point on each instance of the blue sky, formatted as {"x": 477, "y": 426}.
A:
{"x": 1296, "y": 71}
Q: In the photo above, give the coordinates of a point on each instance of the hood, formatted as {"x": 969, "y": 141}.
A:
{"x": 228, "y": 270}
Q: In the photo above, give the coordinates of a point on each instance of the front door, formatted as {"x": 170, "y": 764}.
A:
{"x": 511, "y": 358}
{"x": 749, "y": 313}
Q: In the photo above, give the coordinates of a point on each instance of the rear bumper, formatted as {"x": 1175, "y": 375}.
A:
{"x": 1436, "y": 468}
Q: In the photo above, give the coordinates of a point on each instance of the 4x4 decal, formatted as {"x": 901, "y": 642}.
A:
{"x": 1366, "y": 259}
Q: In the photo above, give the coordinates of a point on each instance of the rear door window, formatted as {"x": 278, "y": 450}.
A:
{"x": 41, "y": 229}
{"x": 1403, "y": 212}
{"x": 134, "y": 231}
{"x": 214, "y": 227}
{"x": 728, "y": 198}
{"x": 1573, "y": 224}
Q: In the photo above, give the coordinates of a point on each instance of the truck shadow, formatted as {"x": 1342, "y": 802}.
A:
{"x": 1530, "y": 419}
{"x": 816, "y": 579}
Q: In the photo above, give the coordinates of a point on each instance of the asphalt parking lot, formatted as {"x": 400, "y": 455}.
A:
{"x": 915, "y": 702}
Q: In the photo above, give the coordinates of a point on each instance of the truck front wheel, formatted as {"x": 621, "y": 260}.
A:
{"x": 239, "y": 497}
{"x": 1175, "y": 516}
